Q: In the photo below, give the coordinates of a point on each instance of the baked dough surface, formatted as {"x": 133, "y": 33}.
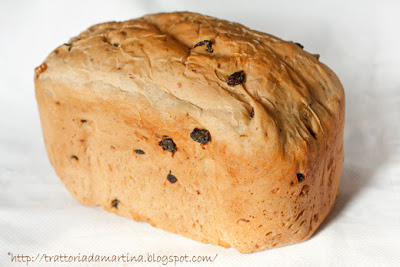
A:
{"x": 119, "y": 105}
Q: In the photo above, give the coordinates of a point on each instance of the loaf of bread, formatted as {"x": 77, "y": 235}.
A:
{"x": 196, "y": 125}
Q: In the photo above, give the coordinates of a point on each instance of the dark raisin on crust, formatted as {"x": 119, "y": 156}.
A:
{"x": 139, "y": 151}
{"x": 208, "y": 43}
{"x": 300, "y": 45}
{"x": 74, "y": 157}
{"x": 300, "y": 177}
{"x": 201, "y": 136}
{"x": 83, "y": 121}
{"x": 115, "y": 203}
{"x": 168, "y": 144}
{"x": 69, "y": 46}
{"x": 201, "y": 43}
{"x": 252, "y": 113}
{"x": 171, "y": 178}
{"x": 236, "y": 78}
{"x": 115, "y": 44}
{"x": 209, "y": 46}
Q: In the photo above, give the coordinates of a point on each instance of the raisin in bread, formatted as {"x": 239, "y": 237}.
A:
{"x": 196, "y": 125}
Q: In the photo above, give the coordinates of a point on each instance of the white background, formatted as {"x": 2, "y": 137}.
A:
{"x": 359, "y": 40}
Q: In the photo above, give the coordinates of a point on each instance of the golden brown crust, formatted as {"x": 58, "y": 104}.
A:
{"x": 271, "y": 171}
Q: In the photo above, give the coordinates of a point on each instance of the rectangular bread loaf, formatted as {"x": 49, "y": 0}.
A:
{"x": 196, "y": 125}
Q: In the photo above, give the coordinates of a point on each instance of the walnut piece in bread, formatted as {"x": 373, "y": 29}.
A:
{"x": 197, "y": 125}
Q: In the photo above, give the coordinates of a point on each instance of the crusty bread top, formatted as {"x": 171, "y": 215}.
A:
{"x": 287, "y": 96}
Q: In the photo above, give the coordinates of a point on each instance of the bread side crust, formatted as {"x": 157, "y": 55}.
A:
{"x": 245, "y": 201}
